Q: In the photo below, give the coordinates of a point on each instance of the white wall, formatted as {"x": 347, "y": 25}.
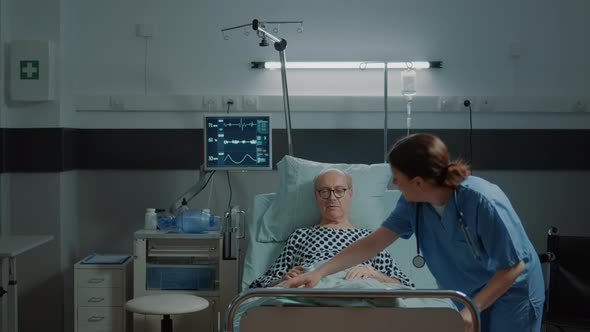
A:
{"x": 187, "y": 56}
{"x": 188, "y": 53}
{"x": 69, "y": 217}
{"x": 35, "y": 209}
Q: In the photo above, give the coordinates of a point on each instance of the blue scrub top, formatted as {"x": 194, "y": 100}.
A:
{"x": 496, "y": 230}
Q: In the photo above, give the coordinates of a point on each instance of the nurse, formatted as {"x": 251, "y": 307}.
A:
{"x": 466, "y": 230}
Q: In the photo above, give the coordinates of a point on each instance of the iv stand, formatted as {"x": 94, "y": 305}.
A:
{"x": 280, "y": 45}
{"x": 385, "y": 110}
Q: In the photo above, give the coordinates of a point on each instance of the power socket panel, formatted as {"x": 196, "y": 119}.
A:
{"x": 233, "y": 102}
{"x": 250, "y": 103}
{"x": 211, "y": 103}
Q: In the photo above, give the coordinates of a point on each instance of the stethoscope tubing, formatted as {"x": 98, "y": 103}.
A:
{"x": 419, "y": 261}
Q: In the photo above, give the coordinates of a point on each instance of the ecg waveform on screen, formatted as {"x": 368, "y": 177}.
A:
{"x": 236, "y": 141}
{"x": 241, "y": 161}
{"x": 240, "y": 124}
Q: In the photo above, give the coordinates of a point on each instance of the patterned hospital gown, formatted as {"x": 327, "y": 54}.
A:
{"x": 314, "y": 244}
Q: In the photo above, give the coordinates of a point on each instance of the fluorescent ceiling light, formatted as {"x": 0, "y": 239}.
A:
{"x": 347, "y": 65}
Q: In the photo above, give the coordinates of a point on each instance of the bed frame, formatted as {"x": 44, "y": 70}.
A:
{"x": 349, "y": 319}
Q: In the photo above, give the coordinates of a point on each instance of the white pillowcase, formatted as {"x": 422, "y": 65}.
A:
{"x": 295, "y": 206}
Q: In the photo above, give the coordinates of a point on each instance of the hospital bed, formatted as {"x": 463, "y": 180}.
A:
{"x": 274, "y": 216}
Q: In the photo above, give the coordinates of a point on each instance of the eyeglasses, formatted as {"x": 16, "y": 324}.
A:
{"x": 326, "y": 193}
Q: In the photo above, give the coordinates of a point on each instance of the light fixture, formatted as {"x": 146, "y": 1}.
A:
{"x": 347, "y": 65}
{"x": 408, "y": 84}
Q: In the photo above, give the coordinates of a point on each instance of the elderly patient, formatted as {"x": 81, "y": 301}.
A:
{"x": 306, "y": 246}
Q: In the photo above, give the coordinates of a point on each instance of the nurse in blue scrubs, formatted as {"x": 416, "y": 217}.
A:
{"x": 467, "y": 231}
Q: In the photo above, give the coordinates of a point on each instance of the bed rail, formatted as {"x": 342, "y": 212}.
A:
{"x": 349, "y": 293}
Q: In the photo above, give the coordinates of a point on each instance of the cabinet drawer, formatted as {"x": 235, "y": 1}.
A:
{"x": 97, "y": 317}
{"x": 100, "y": 297}
{"x": 100, "y": 329}
{"x": 99, "y": 278}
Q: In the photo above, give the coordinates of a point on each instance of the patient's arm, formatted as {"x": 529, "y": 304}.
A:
{"x": 384, "y": 263}
{"x": 279, "y": 268}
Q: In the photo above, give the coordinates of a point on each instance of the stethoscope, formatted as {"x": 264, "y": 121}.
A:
{"x": 419, "y": 260}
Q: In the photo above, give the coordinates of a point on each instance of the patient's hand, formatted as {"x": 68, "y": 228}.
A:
{"x": 367, "y": 271}
{"x": 307, "y": 280}
{"x": 294, "y": 272}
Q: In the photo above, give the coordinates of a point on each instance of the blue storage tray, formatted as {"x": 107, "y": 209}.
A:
{"x": 180, "y": 277}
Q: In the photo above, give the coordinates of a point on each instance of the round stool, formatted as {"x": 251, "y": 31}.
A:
{"x": 166, "y": 304}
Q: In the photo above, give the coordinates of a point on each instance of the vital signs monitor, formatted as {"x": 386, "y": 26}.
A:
{"x": 238, "y": 141}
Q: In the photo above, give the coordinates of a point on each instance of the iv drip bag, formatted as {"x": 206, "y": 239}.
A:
{"x": 408, "y": 83}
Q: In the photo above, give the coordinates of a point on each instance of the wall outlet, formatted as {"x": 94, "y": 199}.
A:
{"x": 515, "y": 49}
{"x": 144, "y": 30}
{"x": 486, "y": 104}
{"x": 448, "y": 104}
{"x": 211, "y": 103}
{"x": 466, "y": 102}
{"x": 250, "y": 103}
{"x": 116, "y": 103}
{"x": 232, "y": 101}
{"x": 579, "y": 106}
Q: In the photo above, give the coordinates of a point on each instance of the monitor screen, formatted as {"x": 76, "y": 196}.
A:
{"x": 239, "y": 141}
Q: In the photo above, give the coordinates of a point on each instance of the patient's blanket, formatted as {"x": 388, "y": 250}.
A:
{"x": 338, "y": 282}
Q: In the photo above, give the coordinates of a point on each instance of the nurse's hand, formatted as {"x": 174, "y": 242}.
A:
{"x": 467, "y": 321}
{"x": 307, "y": 280}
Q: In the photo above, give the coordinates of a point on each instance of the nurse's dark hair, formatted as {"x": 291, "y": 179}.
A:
{"x": 427, "y": 156}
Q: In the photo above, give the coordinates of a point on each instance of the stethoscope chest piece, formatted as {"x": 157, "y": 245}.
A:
{"x": 419, "y": 261}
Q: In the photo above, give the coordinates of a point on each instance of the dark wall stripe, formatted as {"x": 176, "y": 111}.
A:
{"x": 140, "y": 148}
{"x": 62, "y": 149}
{"x": 33, "y": 150}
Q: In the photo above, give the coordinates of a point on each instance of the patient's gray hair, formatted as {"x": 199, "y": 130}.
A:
{"x": 326, "y": 170}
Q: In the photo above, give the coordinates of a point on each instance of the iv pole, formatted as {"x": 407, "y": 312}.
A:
{"x": 385, "y": 110}
{"x": 280, "y": 45}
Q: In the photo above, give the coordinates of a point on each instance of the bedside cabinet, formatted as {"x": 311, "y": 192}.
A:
{"x": 100, "y": 294}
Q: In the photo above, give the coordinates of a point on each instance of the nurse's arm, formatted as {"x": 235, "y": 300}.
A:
{"x": 500, "y": 282}
{"x": 359, "y": 251}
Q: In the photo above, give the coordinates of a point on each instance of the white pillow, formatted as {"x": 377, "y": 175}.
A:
{"x": 295, "y": 206}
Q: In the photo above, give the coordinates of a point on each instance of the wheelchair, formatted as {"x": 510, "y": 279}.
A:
{"x": 567, "y": 301}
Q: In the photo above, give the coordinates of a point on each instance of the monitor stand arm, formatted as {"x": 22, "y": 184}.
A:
{"x": 192, "y": 191}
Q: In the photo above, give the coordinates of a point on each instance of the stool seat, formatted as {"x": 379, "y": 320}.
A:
{"x": 166, "y": 304}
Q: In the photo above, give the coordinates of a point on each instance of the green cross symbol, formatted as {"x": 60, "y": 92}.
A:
{"x": 29, "y": 69}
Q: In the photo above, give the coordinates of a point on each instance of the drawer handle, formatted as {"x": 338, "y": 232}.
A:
{"x": 95, "y": 299}
{"x": 95, "y": 280}
{"x": 95, "y": 318}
